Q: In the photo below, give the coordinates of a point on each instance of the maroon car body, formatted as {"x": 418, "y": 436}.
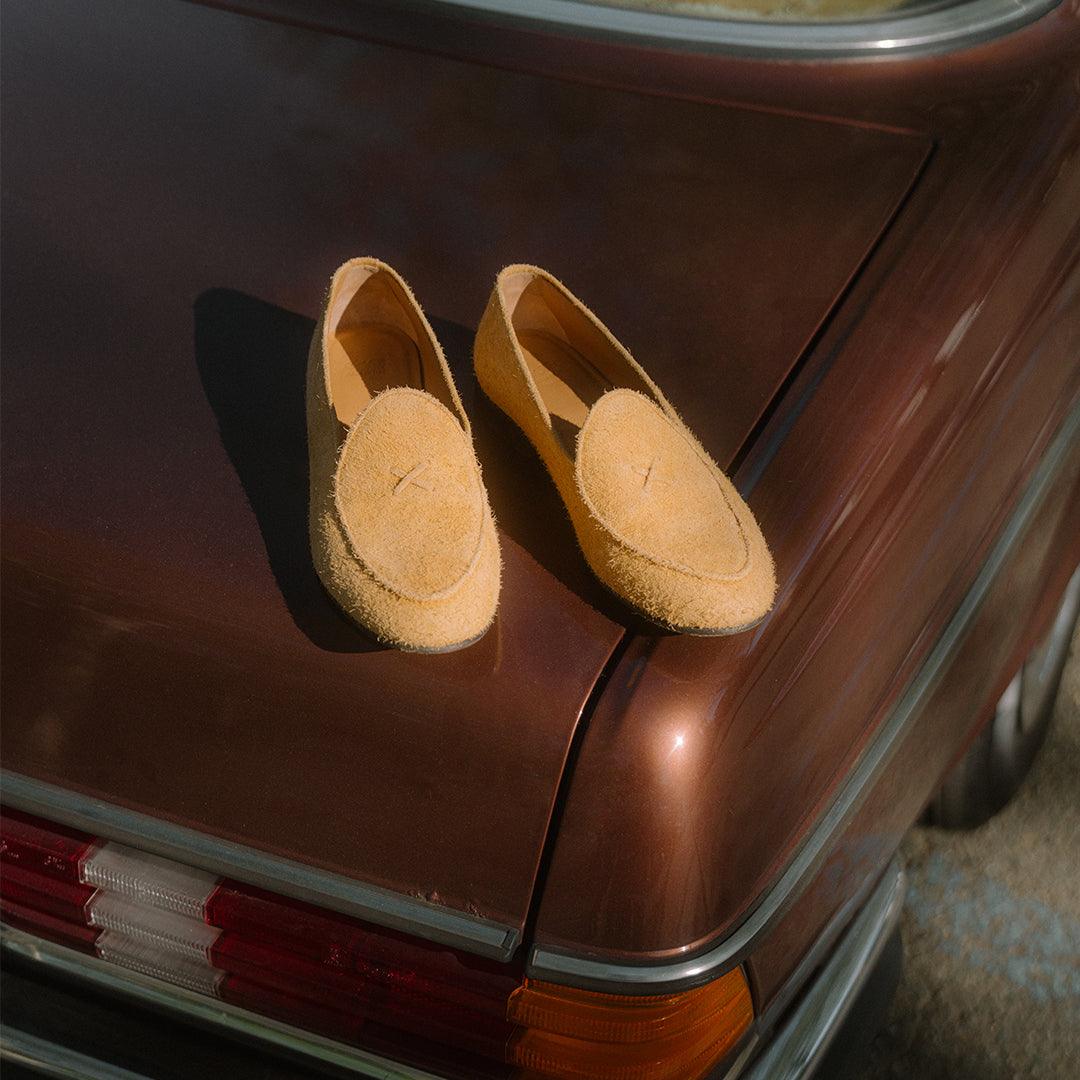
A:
{"x": 858, "y": 281}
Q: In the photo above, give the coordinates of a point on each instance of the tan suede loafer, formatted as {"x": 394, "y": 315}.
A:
{"x": 658, "y": 522}
{"x": 401, "y": 532}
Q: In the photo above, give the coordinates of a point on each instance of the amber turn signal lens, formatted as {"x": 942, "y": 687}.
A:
{"x": 584, "y": 1035}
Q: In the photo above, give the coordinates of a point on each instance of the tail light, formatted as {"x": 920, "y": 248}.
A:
{"x": 577, "y": 1033}
{"x": 353, "y": 981}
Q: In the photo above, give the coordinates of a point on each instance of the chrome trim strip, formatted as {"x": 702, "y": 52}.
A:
{"x": 733, "y": 1070}
{"x": 948, "y": 27}
{"x": 576, "y": 970}
{"x": 799, "y": 1045}
{"x": 823, "y": 945}
{"x": 211, "y": 1012}
{"x": 384, "y": 907}
{"x": 51, "y": 1059}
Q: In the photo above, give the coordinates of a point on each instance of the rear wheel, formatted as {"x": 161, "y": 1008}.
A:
{"x": 995, "y": 765}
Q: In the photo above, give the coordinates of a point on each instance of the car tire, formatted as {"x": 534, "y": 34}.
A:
{"x": 994, "y": 766}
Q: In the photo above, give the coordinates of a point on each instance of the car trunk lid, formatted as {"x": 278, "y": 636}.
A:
{"x": 182, "y": 183}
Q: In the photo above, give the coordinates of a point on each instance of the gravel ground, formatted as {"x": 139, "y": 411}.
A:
{"x": 991, "y": 984}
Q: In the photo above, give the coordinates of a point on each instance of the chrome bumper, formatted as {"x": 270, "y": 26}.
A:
{"x": 52, "y": 1059}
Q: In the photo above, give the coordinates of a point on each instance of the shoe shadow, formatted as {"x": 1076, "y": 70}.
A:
{"x": 252, "y": 359}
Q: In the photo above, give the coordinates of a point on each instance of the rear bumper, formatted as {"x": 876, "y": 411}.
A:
{"x": 809, "y": 1030}
{"x": 793, "y": 1050}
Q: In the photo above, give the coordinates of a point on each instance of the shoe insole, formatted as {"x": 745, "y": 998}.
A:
{"x": 365, "y": 359}
{"x": 569, "y": 385}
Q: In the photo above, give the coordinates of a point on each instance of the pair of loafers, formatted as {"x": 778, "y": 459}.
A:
{"x": 402, "y": 533}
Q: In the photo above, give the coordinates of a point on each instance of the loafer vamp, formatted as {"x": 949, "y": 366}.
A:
{"x": 408, "y": 495}
{"x": 655, "y": 491}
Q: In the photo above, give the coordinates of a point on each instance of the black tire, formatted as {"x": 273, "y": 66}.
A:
{"x": 994, "y": 767}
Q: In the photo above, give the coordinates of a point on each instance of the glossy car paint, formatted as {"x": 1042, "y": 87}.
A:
{"x": 181, "y": 181}
{"x": 1009, "y": 623}
{"x": 882, "y": 480}
{"x": 895, "y": 453}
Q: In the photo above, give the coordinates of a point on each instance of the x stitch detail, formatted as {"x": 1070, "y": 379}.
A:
{"x": 649, "y": 473}
{"x": 412, "y": 477}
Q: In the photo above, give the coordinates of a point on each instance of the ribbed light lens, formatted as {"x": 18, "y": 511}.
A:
{"x": 592, "y": 1036}
{"x": 148, "y": 880}
{"x": 154, "y": 927}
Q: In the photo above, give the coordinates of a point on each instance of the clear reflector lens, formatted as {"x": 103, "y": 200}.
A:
{"x": 148, "y": 879}
{"x": 147, "y": 958}
{"x": 162, "y": 930}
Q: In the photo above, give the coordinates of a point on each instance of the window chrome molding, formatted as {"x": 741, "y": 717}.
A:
{"x": 575, "y": 969}
{"x": 474, "y": 934}
{"x": 210, "y": 1012}
{"x": 892, "y": 34}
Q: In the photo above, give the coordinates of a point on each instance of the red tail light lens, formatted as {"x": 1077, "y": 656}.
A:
{"x": 34, "y": 921}
{"x": 343, "y": 944}
{"x": 293, "y": 961}
{"x": 56, "y": 898}
{"x": 447, "y": 1011}
{"x": 42, "y": 848}
{"x": 395, "y": 998}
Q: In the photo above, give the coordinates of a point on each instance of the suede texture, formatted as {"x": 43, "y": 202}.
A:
{"x": 402, "y": 535}
{"x": 657, "y": 521}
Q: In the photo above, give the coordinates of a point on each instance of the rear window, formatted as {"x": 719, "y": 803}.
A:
{"x": 781, "y": 10}
{"x": 810, "y": 29}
